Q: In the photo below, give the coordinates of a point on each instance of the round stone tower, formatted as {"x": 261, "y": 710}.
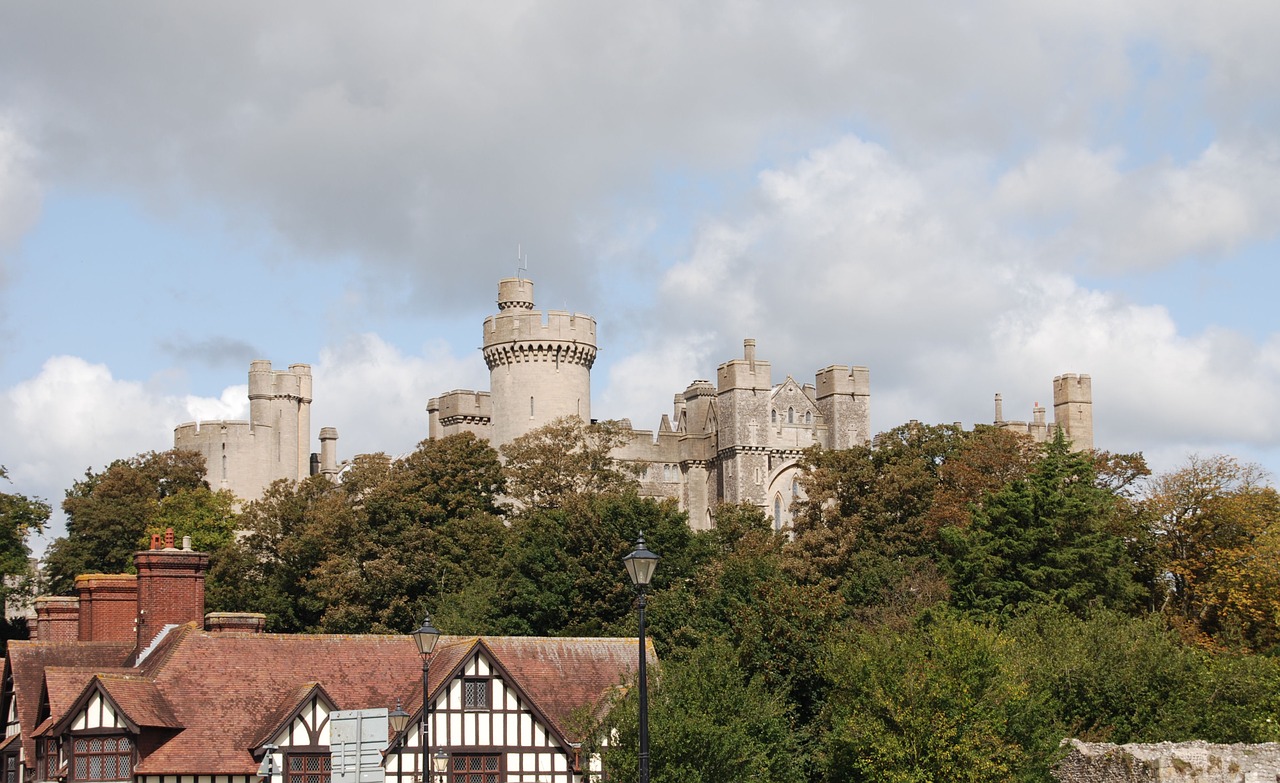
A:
{"x": 539, "y": 363}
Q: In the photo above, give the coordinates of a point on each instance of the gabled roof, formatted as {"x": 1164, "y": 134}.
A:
{"x": 292, "y": 703}
{"x": 135, "y": 699}
{"x": 221, "y": 694}
{"x": 28, "y": 660}
{"x": 561, "y": 675}
{"x": 227, "y": 690}
{"x": 558, "y": 676}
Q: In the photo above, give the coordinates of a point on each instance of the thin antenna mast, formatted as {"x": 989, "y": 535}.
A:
{"x": 522, "y": 261}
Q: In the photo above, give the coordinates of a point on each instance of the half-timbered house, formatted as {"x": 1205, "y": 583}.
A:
{"x": 214, "y": 699}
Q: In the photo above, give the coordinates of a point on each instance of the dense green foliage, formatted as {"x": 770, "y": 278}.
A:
{"x": 20, "y": 516}
{"x": 949, "y": 605}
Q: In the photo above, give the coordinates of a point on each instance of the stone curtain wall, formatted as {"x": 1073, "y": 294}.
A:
{"x": 1169, "y": 762}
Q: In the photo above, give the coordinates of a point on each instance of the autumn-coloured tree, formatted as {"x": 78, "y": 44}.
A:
{"x": 1217, "y": 530}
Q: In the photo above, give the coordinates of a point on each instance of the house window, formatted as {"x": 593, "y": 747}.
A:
{"x": 476, "y": 769}
{"x": 308, "y": 767}
{"x": 808, "y": 417}
{"x": 773, "y": 416}
{"x": 101, "y": 758}
{"x": 46, "y": 758}
{"x": 791, "y": 415}
{"x": 11, "y": 768}
{"x": 475, "y": 694}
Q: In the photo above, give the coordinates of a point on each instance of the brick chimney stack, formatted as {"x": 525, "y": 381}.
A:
{"x": 170, "y": 587}
{"x": 57, "y": 618}
{"x": 108, "y": 605}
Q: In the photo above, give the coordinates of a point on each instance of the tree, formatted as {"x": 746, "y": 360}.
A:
{"x": 563, "y": 574}
{"x": 1217, "y": 534}
{"x": 745, "y": 597}
{"x": 545, "y": 468}
{"x": 420, "y": 528}
{"x": 20, "y": 516}
{"x": 942, "y": 700}
{"x": 108, "y": 513}
{"x": 1109, "y": 677}
{"x": 710, "y": 721}
{"x": 865, "y": 529}
{"x": 1048, "y": 538}
{"x": 284, "y": 536}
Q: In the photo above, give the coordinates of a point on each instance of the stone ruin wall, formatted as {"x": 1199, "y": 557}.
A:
{"x": 1168, "y": 762}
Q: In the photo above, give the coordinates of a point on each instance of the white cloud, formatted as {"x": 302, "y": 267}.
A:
{"x": 74, "y": 415}
{"x": 438, "y": 132}
{"x": 1150, "y": 216}
{"x": 852, "y": 256}
{"x": 376, "y": 395}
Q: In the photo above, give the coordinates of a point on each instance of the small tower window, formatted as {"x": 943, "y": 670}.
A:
{"x": 808, "y": 417}
{"x": 531, "y": 407}
{"x": 777, "y": 512}
{"x": 773, "y": 416}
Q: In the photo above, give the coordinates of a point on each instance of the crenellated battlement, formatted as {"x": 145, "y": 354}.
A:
{"x": 839, "y": 379}
{"x": 1071, "y": 387}
{"x": 539, "y": 327}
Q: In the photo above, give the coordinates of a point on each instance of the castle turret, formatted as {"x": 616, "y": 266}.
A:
{"x": 539, "y": 363}
{"x": 743, "y": 388}
{"x": 275, "y": 443}
{"x": 329, "y": 452}
{"x": 1073, "y": 409}
{"x": 844, "y": 400}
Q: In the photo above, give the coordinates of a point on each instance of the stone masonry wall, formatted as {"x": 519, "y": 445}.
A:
{"x": 1169, "y": 762}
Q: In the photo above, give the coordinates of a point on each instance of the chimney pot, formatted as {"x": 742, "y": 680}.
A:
{"x": 168, "y": 538}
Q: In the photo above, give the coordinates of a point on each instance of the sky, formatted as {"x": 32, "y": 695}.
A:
{"x": 968, "y": 198}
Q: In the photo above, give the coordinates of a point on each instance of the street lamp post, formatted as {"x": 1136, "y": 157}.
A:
{"x": 640, "y": 565}
{"x": 426, "y": 638}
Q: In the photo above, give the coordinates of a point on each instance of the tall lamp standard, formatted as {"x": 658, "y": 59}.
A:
{"x": 426, "y": 638}
{"x": 640, "y": 565}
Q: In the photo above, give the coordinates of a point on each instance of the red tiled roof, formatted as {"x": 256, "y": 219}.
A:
{"x": 292, "y": 702}
{"x": 140, "y": 700}
{"x": 229, "y": 691}
{"x": 28, "y": 660}
{"x": 563, "y": 675}
{"x": 226, "y": 688}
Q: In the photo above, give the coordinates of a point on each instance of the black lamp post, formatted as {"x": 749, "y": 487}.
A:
{"x": 398, "y": 719}
{"x": 426, "y": 638}
{"x": 640, "y": 566}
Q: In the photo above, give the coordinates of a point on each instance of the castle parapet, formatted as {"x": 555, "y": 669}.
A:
{"x": 460, "y": 410}
{"x": 746, "y": 373}
{"x": 839, "y": 379}
{"x": 556, "y": 335}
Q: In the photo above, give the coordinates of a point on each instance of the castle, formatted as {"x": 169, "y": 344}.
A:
{"x": 737, "y": 440}
{"x": 247, "y": 456}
